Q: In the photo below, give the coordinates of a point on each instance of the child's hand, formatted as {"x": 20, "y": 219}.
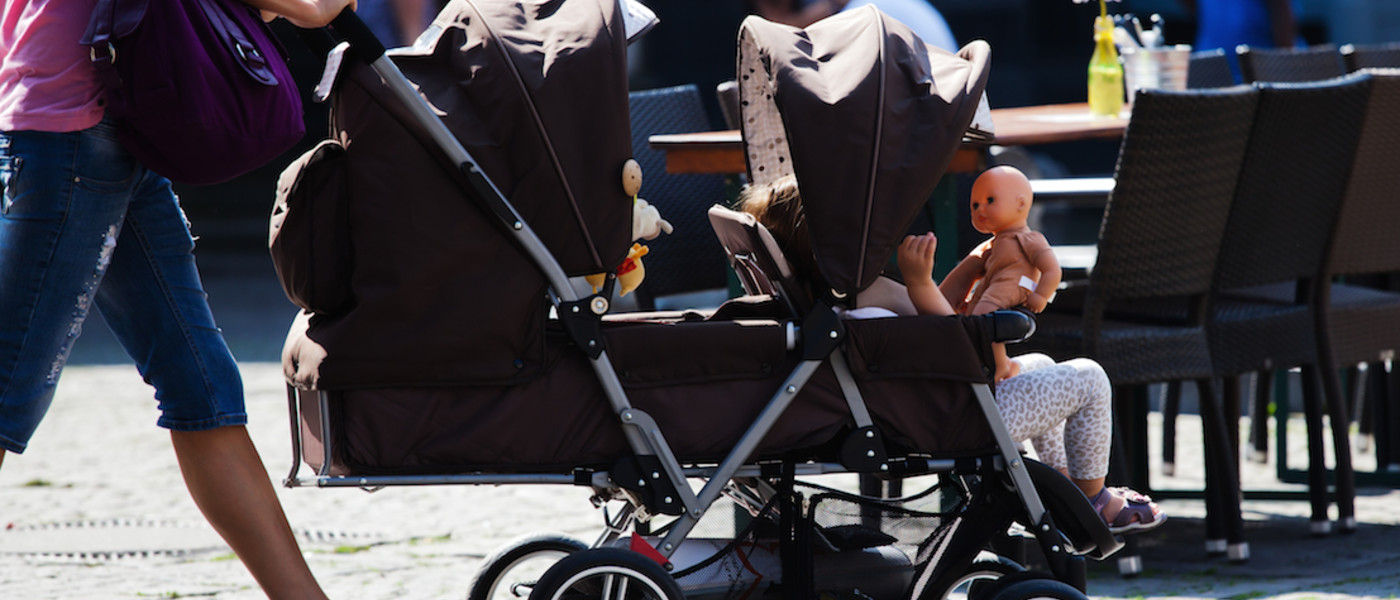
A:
{"x": 915, "y": 257}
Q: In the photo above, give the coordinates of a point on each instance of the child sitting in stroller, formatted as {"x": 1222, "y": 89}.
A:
{"x": 1063, "y": 408}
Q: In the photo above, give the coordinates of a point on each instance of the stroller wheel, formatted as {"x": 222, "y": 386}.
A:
{"x": 980, "y": 576}
{"x": 1033, "y": 588}
{"x": 512, "y": 571}
{"x": 607, "y": 574}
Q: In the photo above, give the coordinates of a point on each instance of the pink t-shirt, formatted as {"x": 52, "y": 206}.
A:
{"x": 47, "y": 82}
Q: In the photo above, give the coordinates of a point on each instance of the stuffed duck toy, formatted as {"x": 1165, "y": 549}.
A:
{"x": 647, "y": 224}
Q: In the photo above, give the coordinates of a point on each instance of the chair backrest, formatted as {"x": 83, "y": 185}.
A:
{"x": 1209, "y": 69}
{"x": 1312, "y": 63}
{"x": 1176, "y": 175}
{"x": 1371, "y": 56}
{"x": 1292, "y": 181}
{"x": 757, "y": 259}
{"x": 1365, "y": 239}
{"x": 689, "y": 259}
{"x": 727, "y": 92}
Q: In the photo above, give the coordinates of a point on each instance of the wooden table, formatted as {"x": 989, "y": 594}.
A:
{"x": 722, "y": 152}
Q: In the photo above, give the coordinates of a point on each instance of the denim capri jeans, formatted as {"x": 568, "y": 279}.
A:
{"x": 83, "y": 224}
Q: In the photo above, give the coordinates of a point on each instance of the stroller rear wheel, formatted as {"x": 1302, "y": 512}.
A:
{"x": 979, "y": 577}
{"x": 512, "y": 571}
{"x": 607, "y": 574}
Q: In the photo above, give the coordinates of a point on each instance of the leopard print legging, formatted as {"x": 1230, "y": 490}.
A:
{"x": 1064, "y": 409}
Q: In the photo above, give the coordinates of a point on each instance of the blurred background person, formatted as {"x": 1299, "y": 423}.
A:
{"x": 397, "y": 22}
{"x": 1259, "y": 23}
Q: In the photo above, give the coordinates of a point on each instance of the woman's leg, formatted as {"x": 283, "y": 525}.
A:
{"x": 226, "y": 478}
{"x": 154, "y": 302}
{"x": 64, "y": 198}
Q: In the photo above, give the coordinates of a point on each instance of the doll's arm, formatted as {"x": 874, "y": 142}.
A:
{"x": 915, "y": 259}
{"x": 1050, "y": 276}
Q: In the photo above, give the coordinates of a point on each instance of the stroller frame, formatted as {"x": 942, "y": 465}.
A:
{"x": 819, "y": 339}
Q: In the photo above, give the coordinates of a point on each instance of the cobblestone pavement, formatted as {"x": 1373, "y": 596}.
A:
{"x": 96, "y": 510}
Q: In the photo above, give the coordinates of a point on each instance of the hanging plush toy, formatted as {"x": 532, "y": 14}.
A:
{"x": 647, "y": 224}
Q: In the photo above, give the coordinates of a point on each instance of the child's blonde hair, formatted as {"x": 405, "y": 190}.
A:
{"x": 778, "y": 206}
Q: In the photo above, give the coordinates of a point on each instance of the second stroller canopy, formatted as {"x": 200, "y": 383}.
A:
{"x": 866, "y": 116}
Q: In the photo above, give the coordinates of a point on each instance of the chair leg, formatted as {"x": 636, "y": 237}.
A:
{"x": 1222, "y": 475}
{"x": 1231, "y": 407}
{"x": 1343, "y": 472}
{"x": 1214, "y": 499}
{"x": 1125, "y": 458}
{"x": 1317, "y": 468}
{"x": 1259, "y": 417}
{"x": 1383, "y": 407}
{"x": 1171, "y": 407}
{"x": 1359, "y": 384}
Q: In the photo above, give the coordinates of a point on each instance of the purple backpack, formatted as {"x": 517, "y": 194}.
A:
{"x": 199, "y": 88}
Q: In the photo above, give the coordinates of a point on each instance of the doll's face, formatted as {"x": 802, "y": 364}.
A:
{"x": 1000, "y": 200}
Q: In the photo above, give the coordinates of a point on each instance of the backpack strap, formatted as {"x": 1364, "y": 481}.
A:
{"x": 98, "y": 38}
{"x": 109, "y": 23}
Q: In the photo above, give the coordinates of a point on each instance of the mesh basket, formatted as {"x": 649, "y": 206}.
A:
{"x": 910, "y": 523}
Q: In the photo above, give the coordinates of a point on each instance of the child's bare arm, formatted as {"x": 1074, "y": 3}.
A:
{"x": 959, "y": 281}
{"x": 915, "y": 259}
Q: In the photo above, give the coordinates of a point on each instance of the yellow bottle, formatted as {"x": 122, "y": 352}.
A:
{"x": 1105, "y": 72}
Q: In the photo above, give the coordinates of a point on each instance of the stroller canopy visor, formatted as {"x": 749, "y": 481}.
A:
{"x": 866, "y": 116}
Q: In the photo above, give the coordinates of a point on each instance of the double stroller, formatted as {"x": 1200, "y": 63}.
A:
{"x": 432, "y": 240}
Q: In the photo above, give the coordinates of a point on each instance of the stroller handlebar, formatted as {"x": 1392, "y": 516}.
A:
{"x": 346, "y": 26}
{"x": 362, "y": 40}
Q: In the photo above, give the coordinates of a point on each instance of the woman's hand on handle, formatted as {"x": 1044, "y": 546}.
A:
{"x": 307, "y": 14}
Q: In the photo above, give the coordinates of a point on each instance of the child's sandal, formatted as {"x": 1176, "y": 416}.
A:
{"x": 1137, "y": 514}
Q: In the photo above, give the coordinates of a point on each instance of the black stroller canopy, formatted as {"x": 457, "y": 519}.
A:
{"x": 866, "y": 116}
{"x": 526, "y": 86}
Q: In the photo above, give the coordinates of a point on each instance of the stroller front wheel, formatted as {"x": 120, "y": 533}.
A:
{"x": 513, "y": 570}
{"x": 1036, "y": 589}
{"x": 607, "y": 574}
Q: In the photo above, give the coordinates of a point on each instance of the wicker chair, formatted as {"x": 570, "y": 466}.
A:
{"x": 690, "y": 259}
{"x": 1142, "y": 315}
{"x": 1371, "y": 56}
{"x": 1359, "y": 322}
{"x": 1262, "y": 301}
{"x": 1210, "y": 69}
{"x": 1312, "y": 63}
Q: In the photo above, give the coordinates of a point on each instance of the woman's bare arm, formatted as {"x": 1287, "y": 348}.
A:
{"x": 308, "y": 14}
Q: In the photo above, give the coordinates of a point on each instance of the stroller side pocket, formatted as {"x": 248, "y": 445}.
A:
{"x": 309, "y": 234}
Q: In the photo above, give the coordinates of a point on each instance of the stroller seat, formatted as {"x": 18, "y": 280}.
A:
{"x": 762, "y": 268}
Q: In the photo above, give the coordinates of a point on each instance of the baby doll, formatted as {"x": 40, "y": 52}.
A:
{"x": 1015, "y": 267}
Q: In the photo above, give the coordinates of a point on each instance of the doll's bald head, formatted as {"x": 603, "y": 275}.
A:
{"x": 1001, "y": 199}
